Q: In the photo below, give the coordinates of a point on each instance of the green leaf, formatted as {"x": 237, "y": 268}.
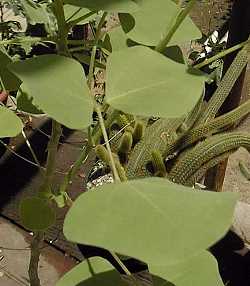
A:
{"x": 147, "y": 25}
{"x": 24, "y": 103}
{"x": 151, "y": 219}
{"x": 10, "y": 81}
{"x": 118, "y": 39}
{"x": 57, "y": 86}
{"x": 201, "y": 269}
{"x": 10, "y": 124}
{"x": 94, "y": 272}
{"x": 85, "y": 59}
{"x": 36, "y": 214}
{"x": 36, "y": 13}
{"x": 70, "y": 10}
{"x": 123, "y": 6}
{"x": 143, "y": 82}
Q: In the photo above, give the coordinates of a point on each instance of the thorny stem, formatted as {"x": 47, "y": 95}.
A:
{"x": 175, "y": 24}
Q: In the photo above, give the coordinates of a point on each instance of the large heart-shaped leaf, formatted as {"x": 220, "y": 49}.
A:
{"x": 150, "y": 219}
{"x": 144, "y": 82}
{"x": 123, "y": 6}
{"x": 93, "y": 272}
{"x": 58, "y": 87}
{"x": 10, "y": 81}
{"x": 201, "y": 269}
{"x": 10, "y": 124}
{"x": 36, "y": 214}
{"x": 148, "y": 25}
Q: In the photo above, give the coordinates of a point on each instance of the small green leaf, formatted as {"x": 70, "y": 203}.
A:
{"x": 58, "y": 87}
{"x": 123, "y": 6}
{"x": 10, "y": 81}
{"x": 10, "y": 124}
{"x": 201, "y": 269}
{"x": 94, "y": 272}
{"x": 70, "y": 10}
{"x": 36, "y": 214}
{"x": 157, "y": 86}
{"x": 151, "y": 219}
{"x": 148, "y": 25}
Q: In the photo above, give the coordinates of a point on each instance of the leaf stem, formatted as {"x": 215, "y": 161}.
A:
{"x": 105, "y": 135}
{"x": 221, "y": 54}
{"x": 175, "y": 24}
{"x": 51, "y": 158}
{"x": 34, "y": 258}
{"x": 94, "y": 49}
{"x": 124, "y": 268}
{"x": 31, "y": 150}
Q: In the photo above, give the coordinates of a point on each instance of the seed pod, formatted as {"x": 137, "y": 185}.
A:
{"x": 138, "y": 131}
{"x": 102, "y": 153}
{"x": 158, "y": 163}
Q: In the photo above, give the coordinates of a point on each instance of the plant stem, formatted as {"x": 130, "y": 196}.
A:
{"x": 94, "y": 49}
{"x": 63, "y": 29}
{"x": 34, "y": 258}
{"x": 31, "y": 150}
{"x": 221, "y": 54}
{"x": 45, "y": 188}
{"x": 51, "y": 158}
{"x": 175, "y": 24}
{"x": 124, "y": 268}
{"x": 72, "y": 172}
{"x": 105, "y": 136}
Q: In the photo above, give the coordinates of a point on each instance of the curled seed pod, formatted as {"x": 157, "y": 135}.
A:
{"x": 158, "y": 163}
{"x": 102, "y": 153}
{"x": 138, "y": 131}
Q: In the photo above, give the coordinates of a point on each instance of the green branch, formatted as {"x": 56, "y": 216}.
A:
{"x": 94, "y": 49}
